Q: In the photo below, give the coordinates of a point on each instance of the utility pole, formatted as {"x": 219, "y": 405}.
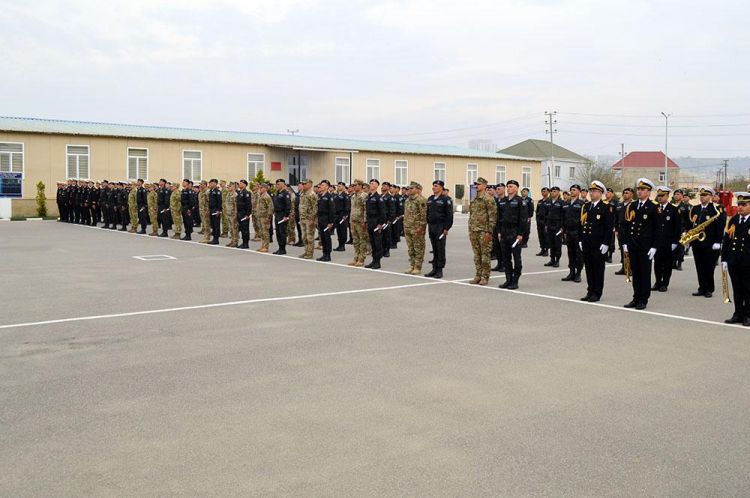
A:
{"x": 292, "y": 132}
{"x": 666, "y": 148}
{"x": 551, "y": 121}
{"x": 726, "y": 162}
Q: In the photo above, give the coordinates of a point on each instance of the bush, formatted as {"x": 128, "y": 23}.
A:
{"x": 41, "y": 200}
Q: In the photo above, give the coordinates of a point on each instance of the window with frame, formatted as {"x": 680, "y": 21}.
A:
{"x": 342, "y": 170}
{"x": 402, "y": 172}
{"x": 137, "y": 163}
{"x": 661, "y": 177}
{"x": 373, "y": 169}
{"x": 572, "y": 172}
{"x": 499, "y": 174}
{"x": 255, "y": 163}
{"x": 438, "y": 172}
{"x": 472, "y": 173}
{"x": 78, "y": 161}
{"x": 558, "y": 170}
{"x": 526, "y": 178}
{"x": 192, "y": 165}
{"x": 11, "y": 157}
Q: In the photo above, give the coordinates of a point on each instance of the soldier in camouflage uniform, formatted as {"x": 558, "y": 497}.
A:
{"x": 291, "y": 233}
{"x": 415, "y": 227}
{"x": 133, "y": 208}
{"x": 204, "y": 213}
{"x": 264, "y": 215}
{"x": 230, "y": 211}
{"x": 175, "y": 208}
{"x": 482, "y": 219}
{"x": 151, "y": 201}
{"x": 358, "y": 224}
{"x": 224, "y": 219}
{"x": 308, "y": 213}
{"x": 254, "y": 205}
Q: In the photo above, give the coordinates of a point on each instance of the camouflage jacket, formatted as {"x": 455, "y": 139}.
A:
{"x": 482, "y": 214}
{"x": 308, "y": 206}
{"x": 358, "y": 214}
{"x": 264, "y": 209}
{"x": 151, "y": 200}
{"x": 175, "y": 200}
{"x": 415, "y": 212}
{"x": 131, "y": 198}
{"x": 230, "y": 203}
{"x": 203, "y": 202}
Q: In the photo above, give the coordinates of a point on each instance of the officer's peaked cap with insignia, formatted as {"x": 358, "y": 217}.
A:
{"x": 662, "y": 190}
{"x": 743, "y": 197}
{"x": 705, "y": 190}
{"x": 597, "y": 185}
{"x": 644, "y": 183}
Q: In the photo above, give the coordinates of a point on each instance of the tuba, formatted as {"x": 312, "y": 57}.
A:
{"x": 698, "y": 232}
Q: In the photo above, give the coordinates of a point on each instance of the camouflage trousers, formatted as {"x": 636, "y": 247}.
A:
{"x": 133, "y": 217}
{"x": 482, "y": 249}
{"x": 176, "y": 221}
{"x": 415, "y": 244}
{"x": 291, "y": 231}
{"x": 256, "y": 227}
{"x": 206, "y": 224}
{"x": 224, "y": 223}
{"x": 234, "y": 230}
{"x": 308, "y": 235}
{"x": 360, "y": 240}
{"x": 154, "y": 217}
{"x": 265, "y": 230}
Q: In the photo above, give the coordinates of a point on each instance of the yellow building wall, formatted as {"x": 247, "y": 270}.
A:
{"x": 45, "y": 160}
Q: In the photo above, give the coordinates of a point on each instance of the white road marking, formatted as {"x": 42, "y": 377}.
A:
{"x": 154, "y": 257}
{"x": 431, "y": 280}
{"x": 224, "y": 304}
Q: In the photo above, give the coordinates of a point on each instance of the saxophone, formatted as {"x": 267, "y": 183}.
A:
{"x": 698, "y": 232}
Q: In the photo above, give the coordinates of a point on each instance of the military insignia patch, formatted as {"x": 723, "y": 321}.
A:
{"x": 645, "y": 216}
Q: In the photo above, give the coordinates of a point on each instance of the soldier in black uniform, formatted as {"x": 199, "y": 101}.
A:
{"x": 62, "y": 199}
{"x": 299, "y": 243}
{"x": 572, "y": 234}
{"x": 162, "y": 202}
{"x": 596, "y": 220}
{"x": 398, "y": 207}
{"x": 375, "y": 213}
{"x": 282, "y": 208}
{"x": 104, "y": 194}
{"x": 244, "y": 210}
{"x": 123, "y": 203}
{"x": 189, "y": 207}
{"x": 554, "y": 227}
{"x": 513, "y": 224}
{"x": 141, "y": 201}
{"x": 390, "y": 214}
{"x": 643, "y": 237}
{"x": 84, "y": 193}
{"x": 214, "y": 209}
{"x": 621, "y": 224}
{"x": 496, "y": 246}
{"x": 530, "y": 207}
{"x": 610, "y": 198}
{"x": 683, "y": 213}
{"x": 326, "y": 219}
{"x": 114, "y": 205}
{"x": 735, "y": 259}
{"x": 342, "y": 204}
{"x": 439, "y": 222}
{"x": 706, "y": 251}
{"x": 541, "y": 220}
{"x": 671, "y": 229}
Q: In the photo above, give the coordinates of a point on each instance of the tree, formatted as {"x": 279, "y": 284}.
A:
{"x": 605, "y": 174}
{"x": 41, "y": 200}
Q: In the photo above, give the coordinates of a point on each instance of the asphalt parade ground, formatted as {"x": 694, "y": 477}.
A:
{"x": 142, "y": 366}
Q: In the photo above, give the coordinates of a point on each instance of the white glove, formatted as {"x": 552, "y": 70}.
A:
{"x": 625, "y": 248}
{"x": 604, "y": 248}
{"x": 580, "y": 246}
{"x": 724, "y": 266}
{"x": 716, "y": 247}
{"x": 674, "y": 246}
{"x": 651, "y": 253}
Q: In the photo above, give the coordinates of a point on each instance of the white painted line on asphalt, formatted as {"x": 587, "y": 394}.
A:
{"x": 154, "y": 257}
{"x": 219, "y": 305}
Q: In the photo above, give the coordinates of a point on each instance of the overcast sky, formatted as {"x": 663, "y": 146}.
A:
{"x": 412, "y": 71}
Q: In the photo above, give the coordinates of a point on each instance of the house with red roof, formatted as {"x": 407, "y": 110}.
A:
{"x": 646, "y": 164}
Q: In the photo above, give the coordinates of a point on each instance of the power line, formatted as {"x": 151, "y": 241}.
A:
{"x": 623, "y": 125}
{"x": 450, "y": 130}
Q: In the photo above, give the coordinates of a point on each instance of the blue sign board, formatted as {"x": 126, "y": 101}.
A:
{"x": 10, "y": 184}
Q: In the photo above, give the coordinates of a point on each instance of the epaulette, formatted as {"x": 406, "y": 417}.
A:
{"x": 605, "y": 201}
{"x": 654, "y": 202}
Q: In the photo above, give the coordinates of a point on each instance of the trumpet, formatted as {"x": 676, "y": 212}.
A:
{"x": 725, "y": 286}
{"x": 626, "y": 267}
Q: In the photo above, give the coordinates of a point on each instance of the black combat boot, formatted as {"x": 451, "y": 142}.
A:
{"x": 438, "y": 273}
{"x": 570, "y": 276}
{"x": 431, "y": 273}
{"x": 186, "y": 237}
{"x": 551, "y": 262}
{"x": 577, "y": 278}
{"x": 556, "y": 262}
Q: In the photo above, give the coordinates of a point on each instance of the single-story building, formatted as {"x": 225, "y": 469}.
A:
{"x": 558, "y": 166}
{"x": 33, "y": 150}
{"x": 647, "y": 164}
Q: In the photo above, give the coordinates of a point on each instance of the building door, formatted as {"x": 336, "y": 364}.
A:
{"x": 296, "y": 165}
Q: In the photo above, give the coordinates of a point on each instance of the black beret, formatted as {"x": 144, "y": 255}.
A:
{"x": 439, "y": 182}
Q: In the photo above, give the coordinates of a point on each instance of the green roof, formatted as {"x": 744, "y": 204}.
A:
{"x": 55, "y": 126}
{"x": 541, "y": 149}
